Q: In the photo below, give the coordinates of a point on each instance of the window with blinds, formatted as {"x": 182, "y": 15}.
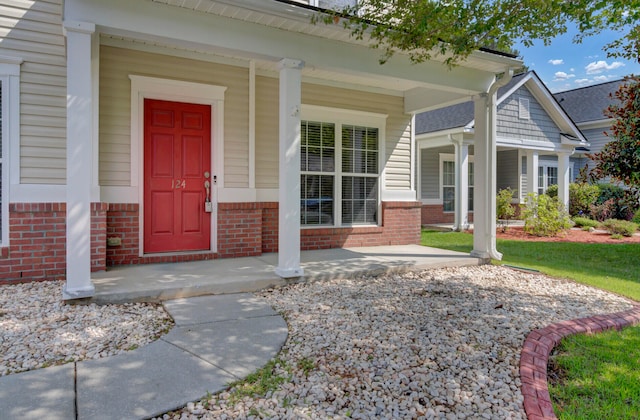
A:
{"x": 340, "y": 173}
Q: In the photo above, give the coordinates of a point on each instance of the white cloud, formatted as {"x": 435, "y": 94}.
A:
{"x": 600, "y": 79}
{"x": 556, "y": 62}
{"x": 581, "y": 81}
{"x": 572, "y": 69}
{"x": 560, "y": 76}
{"x": 597, "y": 67}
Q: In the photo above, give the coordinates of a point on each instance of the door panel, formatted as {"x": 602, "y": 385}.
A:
{"x": 177, "y": 153}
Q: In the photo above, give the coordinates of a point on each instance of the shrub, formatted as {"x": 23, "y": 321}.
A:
{"x": 504, "y": 208}
{"x": 581, "y": 196}
{"x": 544, "y": 215}
{"x": 603, "y": 211}
{"x": 620, "y": 227}
{"x": 585, "y": 222}
{"x": 625, "y": 202}
{"x": 636, "y": 218}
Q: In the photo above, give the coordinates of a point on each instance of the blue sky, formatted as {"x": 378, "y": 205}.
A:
{"x": 564, "y": 65}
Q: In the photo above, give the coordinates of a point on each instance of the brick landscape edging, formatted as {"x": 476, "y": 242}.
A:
{"x": 538, "y": 346}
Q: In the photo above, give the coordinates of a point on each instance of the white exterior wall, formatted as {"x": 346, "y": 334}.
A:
{"x": 398, "y": 129}
{"x": 32, "y": 31}
{"x": 116, "y": 64}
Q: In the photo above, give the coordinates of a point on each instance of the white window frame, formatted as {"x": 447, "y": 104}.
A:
{"x": 544, "y": 165}
{"x": 10, "y": 139}
{"x": 448, "y": 157}
{"x": 340, "y": 117}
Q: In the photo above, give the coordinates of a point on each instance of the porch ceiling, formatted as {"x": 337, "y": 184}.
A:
{"x": 265, "y": 31}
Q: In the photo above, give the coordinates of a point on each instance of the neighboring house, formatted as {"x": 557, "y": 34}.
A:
{"x": 140, "y": 131}
{"x": 586, "y": 108}
{"x": 533, "y": 132}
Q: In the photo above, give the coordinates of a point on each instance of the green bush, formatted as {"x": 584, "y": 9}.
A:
{"x": 636, "y": 218}
{"x": 581, "y": 196}
{"x": 504, "y": 207}
{"x": 624, "y": 202}
{"x": 620, "y": 227}
{"x": 585, "y": 222}
{"x": 544, "y": 215}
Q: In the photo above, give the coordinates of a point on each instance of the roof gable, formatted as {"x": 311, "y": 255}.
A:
{"x": 461, "y": 115}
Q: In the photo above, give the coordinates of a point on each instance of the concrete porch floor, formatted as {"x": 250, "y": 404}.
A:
{"x": 156, "y": 282}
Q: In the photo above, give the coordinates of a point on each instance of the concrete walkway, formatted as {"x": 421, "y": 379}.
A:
{"x": 157, "y": 282}
{"x": 216, "y": 340}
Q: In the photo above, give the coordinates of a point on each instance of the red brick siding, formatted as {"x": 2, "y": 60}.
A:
{"x": 434, "y": 214}
{"x": 123, "y": 222}
{"x": 37, "y": 242}
{"x": 239, "y": 229}
{"x": 99, "y": 236}
{"x": 400, "y": 226}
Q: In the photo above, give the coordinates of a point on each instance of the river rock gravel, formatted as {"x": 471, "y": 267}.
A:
{"x": 436, "y": 344}
{"x": 38, "y": 330}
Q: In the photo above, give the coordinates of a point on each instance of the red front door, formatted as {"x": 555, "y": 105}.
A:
{"x": 177, "y": 162}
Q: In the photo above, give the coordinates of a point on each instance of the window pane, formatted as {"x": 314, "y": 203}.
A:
{"x": 448, "y": 194}
{"x": 471, "y": 174}
{"x": 471, "y": 198}
{"x": 552, "y": 176}
{"x": 316, "y": 204}
{"x": 317, "y": 151}
{"x": 448, "y": 174}
{"x": 359, "y": 150}
{"x": 359, "y": 200}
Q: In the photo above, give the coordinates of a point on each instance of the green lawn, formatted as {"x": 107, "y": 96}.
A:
{"x": 599, "y": 375}
{"x": 613, "y": 267}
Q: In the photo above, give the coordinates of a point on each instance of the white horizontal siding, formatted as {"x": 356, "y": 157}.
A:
{"x": 32, "y": 30}
{"x": 116, "y": 64}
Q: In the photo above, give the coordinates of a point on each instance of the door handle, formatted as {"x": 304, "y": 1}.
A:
{"x": 208, "y": 207}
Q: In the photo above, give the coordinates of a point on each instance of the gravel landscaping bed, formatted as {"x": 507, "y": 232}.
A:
{"x": 38, "y": 330}
{"x": 436, "y": 344}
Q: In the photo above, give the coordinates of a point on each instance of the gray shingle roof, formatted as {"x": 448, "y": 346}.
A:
{"x": 454, "y": 116}
{"x": 587, "y": 103}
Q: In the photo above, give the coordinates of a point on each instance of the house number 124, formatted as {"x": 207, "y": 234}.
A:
{"x": 179, "y": 183}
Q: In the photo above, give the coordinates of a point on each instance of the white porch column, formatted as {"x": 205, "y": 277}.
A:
{"x": 563, "y": 178}
{"x": 532, "y": 171}
{"x": 289, "y": 180}
{"x": 461, "y": 221}
{"x": 484, "y": 206}
{"x": 80, "y": 129}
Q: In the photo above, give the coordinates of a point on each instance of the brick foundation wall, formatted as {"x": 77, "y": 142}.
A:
{"x": 123, "y": 224}
{"x": 99, "y": 236}
{"x": 432, "y": 214}
{"x": 37, "y": 242}
{"x": 400, "y": 226}
{"x": 239, "y": 230}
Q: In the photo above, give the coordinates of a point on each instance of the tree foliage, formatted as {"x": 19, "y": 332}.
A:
{"x": 453, "y": 29}
{"x": 620, "y": 158}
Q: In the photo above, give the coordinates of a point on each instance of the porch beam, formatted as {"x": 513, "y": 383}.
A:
{"x": 289, "y": 169}
{"x": 80, "y": 130}
{"x": 207, "y": 32}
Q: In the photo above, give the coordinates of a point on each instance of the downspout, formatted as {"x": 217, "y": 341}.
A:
{"x": 490, "y": 234}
